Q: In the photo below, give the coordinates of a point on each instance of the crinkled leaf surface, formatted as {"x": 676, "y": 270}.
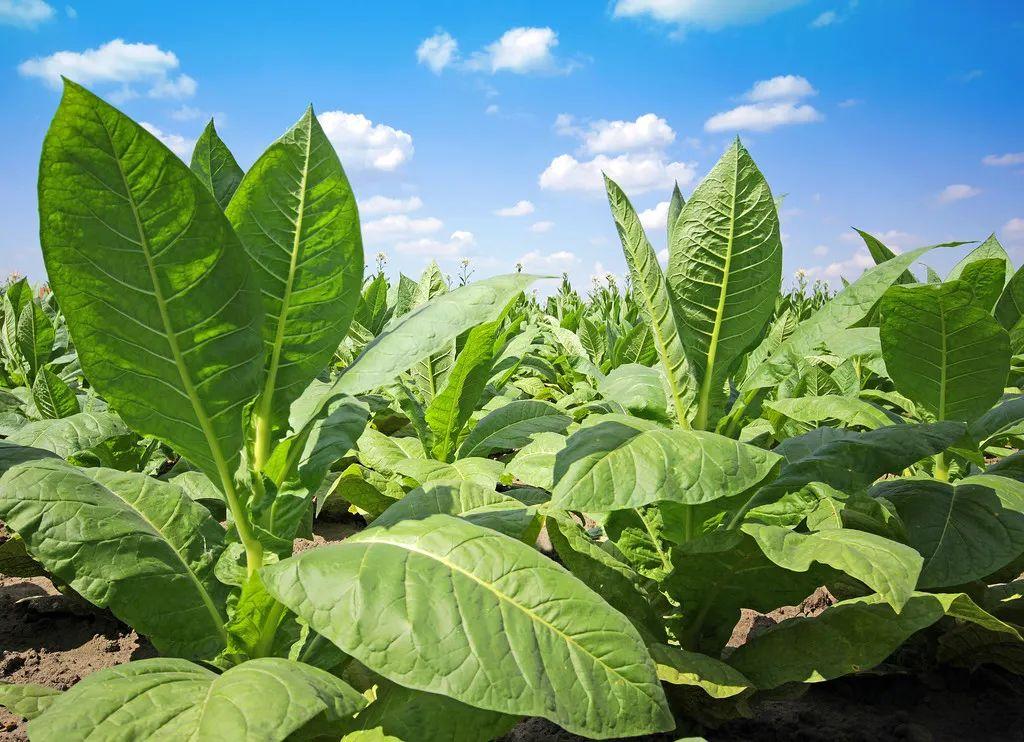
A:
{"x": 444, "y": 605}
{"x": 127, "y": 542}
{"x": 70, "y": 435}
{"x": 618, "y": 462}
{"x": 25, "y": 700}
{"x": 159, "y": 299}
{"x": 262, "y": 700}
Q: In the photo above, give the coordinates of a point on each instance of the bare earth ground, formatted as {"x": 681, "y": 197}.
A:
{"x": 52, "y": 639}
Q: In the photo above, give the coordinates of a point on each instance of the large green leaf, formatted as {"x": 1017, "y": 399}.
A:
{"x": 849, "y": 411}
{"x": 849, "y": 636}
{"x": 616, "y": 462}
{"x": 965, "y": 531}
{"x": 513, "y": 426}
{"x": 27, "y": 701}
{"x": 263, "y": 700}
{"x": 889, "y": 568}
{"x": 844, "y": 310}
{"x": 724, "y": 272}
{"x": 450, "y": 410}
{"x": 296, "y": 216}
{"x": 944, "y": 350}
{"x": 534, "y": 463}
{"x": 158, "y": 294}
{"x": 53, "y": 397}
{"x": 714, "y": 677}
{"x": 639, "y": 389}
{"x": 70, "y": 435}
{"x": 215, "y": 166}
{"x": 428, "y": 329}
{"x": 127, "y": 542}
{"x": 35, "y": 335}
{"x": 449, "y": 607}
{"x": 648, "y": 284}
{"x": 987, "y": 250}
{"x": 468, "y": 500}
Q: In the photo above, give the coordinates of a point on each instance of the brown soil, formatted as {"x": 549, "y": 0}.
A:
{"x": 54, "y": 639}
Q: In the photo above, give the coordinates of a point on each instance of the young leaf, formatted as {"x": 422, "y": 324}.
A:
{"x": 725, "y": 270}
{"x": 943, "y": 350}
{"x": 675, "y": 207}
{"x": 714, "y": 677}
{"x": 990, "y": 248}
{"x": 648, "y": 284}
{"x": 487, "y": 621}
{"x": 172, "y": 699}
{"x": 617, "y": 462}
{"x": 35, "y": 335}
{"x": 513, "y": 426}
{"x": 127, "y": 542}
{"x": 215, "y": 166}
{"x": 160, "y": 301}
{"x": 296, "y": 216}
{"x": 880, "y": 253}
{"x": 53, "y": 397}
{"x": 450, "y": 410}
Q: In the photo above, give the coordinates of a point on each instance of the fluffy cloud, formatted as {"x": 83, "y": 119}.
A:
{"x": 455, "y": 246}
{"x": 519, "y": 50}
{"x": 1010, "y": 158}
{"x": 520, "y": 208}
{"x": 759, "y": 117}
{"x": 561, "y": 261}
{"x": 385, "y": 205}
{"x": 775, "y": 102}
{"x": 781, "y": 87}
{"x": 706, "y": 14}
{"x": 850, "y": 268}
{"x": 957, "y": 192}
{"x": 25, "y": 13}
{"x": 656, "y": 218}
{"x": 646, "y": 132}
{"x": 178, "y": 144}
{"x": 636, "y": 173}
{"x": 541, "y": 227}
{"x": 363, "y": 144}
{"x": 827, "y": 18}
{"x": 115, "y": 62}
{"x": 1013, "y": 230}
{"x": 438, "y": 51}
{"x": 399, "y": 227}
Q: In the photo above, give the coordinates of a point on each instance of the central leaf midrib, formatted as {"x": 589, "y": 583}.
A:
{"x": 705, "y": 389}
{"x": 275, "y": 357}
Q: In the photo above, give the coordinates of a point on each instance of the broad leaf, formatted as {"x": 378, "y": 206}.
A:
{"x": 724, "y": 272}
{"x": 107, "y": 533}
{"x": 35, "y": 336}
{"x": 714, "y": 677}
{"x": 639, "y": 389}
{"x": 53, "y": 397}
{"x": 160, "y": 301}
{"x": 987, "y": 250}
{"x": 70, "y": 435}
{"x": 513, "y": 426}
{"x": 170, "y": 699}
{"x": 534, "y": 463}
{"x": 296, "y": 216}
{"x": 943, "y": 350}
{"x": 618, "y": 462}
{"x": 443, "y": 605}
{"x": 849, "y": 411}
{"x": 27, "y": 701}
{"x": 215, "y": 166}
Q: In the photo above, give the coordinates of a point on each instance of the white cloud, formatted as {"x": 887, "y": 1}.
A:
{"x": 647, "y": 131}
{"x": 957, "y": 192}
{"x": 565, "y": 125}
{"x": 760, "y": 117}
{"x": 186, "y": 113}
{"x": 850, "y": 268}
{"x": 637, "y": 173}
{"x": 1010, "y": 158}
{"x": 781, "y": 87}
{"x": 520, "y": 208}
{"x": 656, "y": 218}
{"x": 520, "y": 50}
{"x": 707, "y": 14}
{"x": 663, "y": 256}
{"x": 827, "y": 18}
{"x": 363, "y": 144}
{"x": 438, "y": 51}
{"x": 561, "y": 261}
{"x": 541, "y": 226}
{"x": 820, "y": 251}
{"x": 399, "y": 227}
{"x": 25, "y": 13}
{"x": 386, "y": 205}
{"x": 178, "y": 144}
{"x": 1013, "y": 230}
{"x": 115, "y": 62}
{"x": 453, "y": 247}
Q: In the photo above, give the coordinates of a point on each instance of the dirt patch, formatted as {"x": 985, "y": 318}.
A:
{"x": 48, "y": 638}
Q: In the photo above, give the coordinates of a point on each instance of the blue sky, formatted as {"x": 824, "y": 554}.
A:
{"x": 480, "y": 130}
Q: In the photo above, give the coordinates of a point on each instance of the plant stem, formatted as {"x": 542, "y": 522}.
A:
{"x": 268, "y": 629}
{"x": 941, "y": 468}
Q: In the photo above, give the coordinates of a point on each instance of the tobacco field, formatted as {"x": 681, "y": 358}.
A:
{"x": 554, "y": 508}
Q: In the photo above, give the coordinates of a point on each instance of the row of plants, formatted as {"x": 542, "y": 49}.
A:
{"x": 212, "y": 373}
